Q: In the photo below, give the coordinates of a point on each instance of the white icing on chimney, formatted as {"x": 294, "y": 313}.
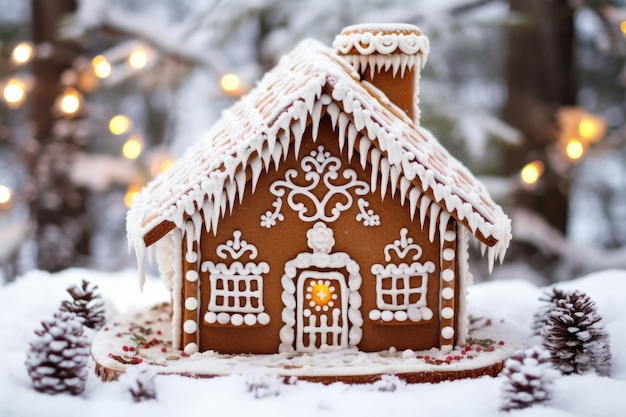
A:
{"x": 386, "y": 47}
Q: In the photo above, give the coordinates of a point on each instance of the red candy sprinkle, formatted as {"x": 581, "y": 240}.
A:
{"x": 125, "y": 348}
{"x": 426, "y": 357}
{"x": 146, "y": 345}
{"x": 163, "y": 349}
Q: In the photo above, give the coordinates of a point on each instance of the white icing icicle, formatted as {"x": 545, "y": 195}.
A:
{"x": 384, "y": 176}
{"x": 443, "y": 226}
{"x": 394, "y": 176}
{"x": 343, "y": 127}
{"x": 352, "y": 132}
{"x": 404, "y": 186}
{"x": 424, "y": 203}
{"x": 414, "y": 195}
{"x": 240, "y": 179}
{"x": 434, "y": 214}
{"x": 364, "y": 146}
{"x": 375, "y": 163}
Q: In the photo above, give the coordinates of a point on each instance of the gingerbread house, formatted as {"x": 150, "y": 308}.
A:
{"x": 317, "y": 214}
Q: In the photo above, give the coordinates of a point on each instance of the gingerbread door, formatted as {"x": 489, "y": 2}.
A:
{"x": 321, "y": 297}
{"x": 322, "y": 311}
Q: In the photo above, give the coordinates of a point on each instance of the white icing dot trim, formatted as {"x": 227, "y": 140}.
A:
{"x": 191, "y": 303}
{"x": 447, "y": 313}
{"x": 412, "y": 314}
{"x": 191, "y": 348}
{"x": 447, "y": 275}
{"x": 447, "y": 332}
{"x": 191, "y": 276}
{"x": 190, "y": 326}
{"x": 236, "y": 319}
{"x": 447, "y": 293}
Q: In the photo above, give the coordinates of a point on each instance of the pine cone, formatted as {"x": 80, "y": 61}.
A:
{"x": 528, "y": 379}
{"x": 575, "y": 337}
{"x": 541, "y": 315}
{"x": 139, "y": 381}
{"x": 57, "y": 358}
{"x": 86, "y": 304}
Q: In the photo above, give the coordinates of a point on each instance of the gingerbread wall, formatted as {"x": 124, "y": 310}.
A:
{"x": 284, "y": 241}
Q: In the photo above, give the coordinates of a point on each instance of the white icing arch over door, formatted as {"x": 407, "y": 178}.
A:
{"x": 321, "y": 307}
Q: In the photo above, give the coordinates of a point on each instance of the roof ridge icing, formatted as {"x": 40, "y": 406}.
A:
{"x": 256, "y": 130}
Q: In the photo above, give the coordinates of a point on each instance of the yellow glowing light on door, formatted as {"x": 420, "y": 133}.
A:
{"x": 321, "y": 294}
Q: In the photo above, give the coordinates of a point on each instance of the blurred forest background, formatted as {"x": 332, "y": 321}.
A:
{"x": 98, "y": 96}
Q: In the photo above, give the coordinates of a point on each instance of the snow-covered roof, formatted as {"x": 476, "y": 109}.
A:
{"x": 262, "y": 126}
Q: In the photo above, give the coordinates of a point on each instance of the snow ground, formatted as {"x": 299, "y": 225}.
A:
{"x": 35, "y": 296}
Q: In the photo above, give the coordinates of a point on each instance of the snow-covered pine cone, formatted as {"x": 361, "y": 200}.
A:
{"x": 139, "y": 381}
{"x": 528, "y": 379}
{"x": 57, "y": 358}
{"x": 541, "y": 315}
{"x": 87, "y": 304}
{"x": 575, "y": 337}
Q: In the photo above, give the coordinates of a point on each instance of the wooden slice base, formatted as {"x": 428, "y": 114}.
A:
{"x": 145, "y": 338}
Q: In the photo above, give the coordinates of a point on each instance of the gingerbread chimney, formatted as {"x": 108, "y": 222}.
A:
{"x": 390, "y": 56}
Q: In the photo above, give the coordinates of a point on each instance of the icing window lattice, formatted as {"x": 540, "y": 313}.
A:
{"x": 301, "y": 190}
{"x": 401, "y": 289}
{"x": 236, "y": 290}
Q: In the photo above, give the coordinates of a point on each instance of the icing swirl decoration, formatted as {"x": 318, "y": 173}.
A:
{"x": 321, "y": 170}
{"x": 379, "y": 39}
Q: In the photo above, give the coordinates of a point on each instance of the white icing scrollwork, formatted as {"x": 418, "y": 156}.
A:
{"x": 321, "y": 171}
{"x": 368, "y": 217}
{"x": 403, "y": 246}
{"x": 236, "y": 248}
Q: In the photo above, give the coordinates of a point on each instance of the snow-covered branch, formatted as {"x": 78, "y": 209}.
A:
{"x": 572, "y": 259}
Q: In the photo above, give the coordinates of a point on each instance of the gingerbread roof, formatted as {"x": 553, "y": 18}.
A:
{"x": 263, "y": 125}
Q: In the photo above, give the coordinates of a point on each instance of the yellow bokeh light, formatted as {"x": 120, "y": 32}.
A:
{"x": 119, "y": 124}
{"x": 138, "y": 58}
{"x": 622, "y": 27}
{"x": 161, "y": 165}
{"x": 133, "y": 190}
{"x": 6, "y": 194}
{"x": 14, "y": 92}
{"x": 132, "y": 148}
{"x": 230, "y": 83}
{"x": 101, "y": 67}
{"x": 22, "y": 53}
{"x": 587, "y": 129}
{"x": 70, "y": 102}
{"x": 574, "y": 149}
{"x": 531, "y": 172}
{"x": 166, "y": 164}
